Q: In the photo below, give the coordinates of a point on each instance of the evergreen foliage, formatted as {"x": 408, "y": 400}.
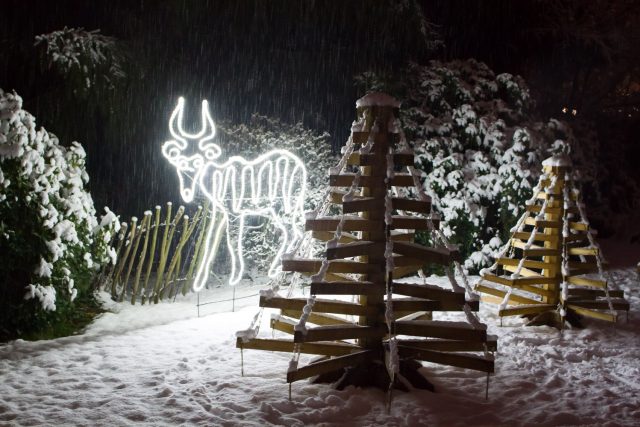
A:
{"x": 477, "y": 146}
{"x": 50, "y": 241}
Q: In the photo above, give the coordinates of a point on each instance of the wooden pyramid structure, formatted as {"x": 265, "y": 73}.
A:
{"x": 551, "y": 268}
{"x": 375, "y": 330}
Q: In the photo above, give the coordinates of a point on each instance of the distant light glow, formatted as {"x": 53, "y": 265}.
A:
{"x": 272, "y": 185}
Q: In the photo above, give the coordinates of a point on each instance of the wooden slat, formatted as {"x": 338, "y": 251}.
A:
{"x": 317, "y": 318}
{"x": 327, "y": 349}
{"x": 283, "y": 324}
{"x": 526, "y": 284}
{"x": 328, "y": 235}
{"x": 347, "y": 288}
{"x": 490, "y": 299}
{"x": 535, "y": 280}
{"x": 607, "y": 316}
{"x": 435, "y": 329}
{"x": 339, "y": 332}
{"x": 427, "y": 291}
{"x": 440, "y": 256}
{"x": 543, "y": 223}
{"x": 353, "y": 223}
{"x": 530, "y": 278}
{"x": 540, "y": 237}
{"x": 513, "y": 299}
{"x": 497, "y": 279}
{"x": 321, "y": 306}
{"x": 521, "y": 244}
{"x": 586, "y": 281}
{"x": 419, "y": 304}
{"x": 542, "y": 195}
{"x": 336, "y": 195}
{"x": 555, "y": 210}
{"x": 594, "y": 293}
{"x": 524, "y": 272}
{"x": 348, "y": 250}
{"x": 409, "y": 205}
{"x": 399, "y": 159}
{"x": 346, "y": 180}
{"x": 399, "y": 272}
{"x": 541, "y": 252}
{"x": 525, "y": 309}
{"x": 329, "y": 365}
{"x": 335, "y": 266}
{"x": 526, "y": 263}
{"x": 618, "y": 304}
{"x": 452, "y": 345}
{"x": 466, "y": 361}
{"x": 584, "y": 251}
{"x": 579, "y": 226}
{"x": 418, "y": 315}
{"x": 400, "y": 236}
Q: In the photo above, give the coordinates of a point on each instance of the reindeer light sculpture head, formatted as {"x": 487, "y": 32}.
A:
{"x": 272, "y": 185}
{"x": 189, "y": 167}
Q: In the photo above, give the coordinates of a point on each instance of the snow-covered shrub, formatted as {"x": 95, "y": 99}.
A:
{"x": 478, "y": 148}
{"x": 87, "y": 58}
{"x": 50, "y": 240}
{"x": 260, "y": 135}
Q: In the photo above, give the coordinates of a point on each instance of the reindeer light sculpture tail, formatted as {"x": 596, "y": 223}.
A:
{"x": 273, "y": 185}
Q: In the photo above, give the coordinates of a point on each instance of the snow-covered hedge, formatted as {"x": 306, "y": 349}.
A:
{"x": 260, "y": 135}
{"x": 87, "y": 58}
{"x": 478, "y": 148}
{"x": 50, "y": 240}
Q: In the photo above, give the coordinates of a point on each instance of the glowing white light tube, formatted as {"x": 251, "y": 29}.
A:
{"x": 272, "y": 185}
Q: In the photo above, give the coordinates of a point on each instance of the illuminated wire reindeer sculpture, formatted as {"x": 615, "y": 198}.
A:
{"x": 272, "y": 185}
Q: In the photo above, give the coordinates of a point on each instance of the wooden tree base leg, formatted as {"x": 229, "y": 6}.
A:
{"x": 375, "y": 374}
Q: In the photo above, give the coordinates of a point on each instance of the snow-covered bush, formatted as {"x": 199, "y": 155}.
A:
{"x": 478, "y": 148}
{"x": 50, "y": 240}
{"x": 87, "y": 58}
{"x": 260, "y": 135}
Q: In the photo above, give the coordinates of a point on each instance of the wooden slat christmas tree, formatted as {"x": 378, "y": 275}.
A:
{"x": 551, "y": 268}
{"x": 374, "y": 327}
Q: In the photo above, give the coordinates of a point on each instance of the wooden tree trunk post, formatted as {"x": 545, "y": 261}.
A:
{"x": 554, "y": 215}
{"x": 377, "y": 190}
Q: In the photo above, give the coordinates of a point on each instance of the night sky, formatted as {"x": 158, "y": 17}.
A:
{"x": 295, "y": 60}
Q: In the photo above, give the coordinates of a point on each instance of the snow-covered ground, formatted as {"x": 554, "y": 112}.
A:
{"x": 162, "y": 365}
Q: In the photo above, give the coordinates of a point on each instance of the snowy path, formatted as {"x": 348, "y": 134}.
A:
{"x": 186, "y": 370}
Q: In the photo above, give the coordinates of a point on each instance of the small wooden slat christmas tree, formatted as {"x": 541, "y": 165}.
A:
{"x": 551, "y": 268}
{"x": 374, "y": 327}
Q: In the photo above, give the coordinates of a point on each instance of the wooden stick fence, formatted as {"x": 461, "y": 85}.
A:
{"x": 171, "y": 249}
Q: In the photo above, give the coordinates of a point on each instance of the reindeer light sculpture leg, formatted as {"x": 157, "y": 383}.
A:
{"x": 237, "y": 188}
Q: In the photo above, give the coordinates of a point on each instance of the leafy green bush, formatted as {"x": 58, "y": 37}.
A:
{"x": 50, "y": 241}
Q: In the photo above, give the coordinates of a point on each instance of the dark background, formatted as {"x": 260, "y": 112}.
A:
{"x": 295, "y": 60}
